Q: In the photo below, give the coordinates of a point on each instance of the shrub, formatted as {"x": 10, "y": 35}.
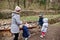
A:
{"x": 5, "y": 14}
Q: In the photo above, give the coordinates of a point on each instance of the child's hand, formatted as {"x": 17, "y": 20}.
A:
{"x": 29, "y": 36}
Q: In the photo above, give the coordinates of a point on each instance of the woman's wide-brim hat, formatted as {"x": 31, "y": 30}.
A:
{"x": 17, "y": 9}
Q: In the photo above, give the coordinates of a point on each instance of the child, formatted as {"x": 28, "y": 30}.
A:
{"x": 40, "y": 22}
{"x": 25, "y": 31}
{"x": 44, "y": 27}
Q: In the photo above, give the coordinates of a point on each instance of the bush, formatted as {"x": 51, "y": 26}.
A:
{"x": 5, "y": 14}
{"x": 29, "y": 13}
{"x": 1, "y": 15}
{"x": 55, "y": 20}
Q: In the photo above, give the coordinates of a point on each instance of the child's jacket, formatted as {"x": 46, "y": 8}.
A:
{"x": 45, "y": 25}
{"x": 25, "y": 32}
{"x": 40, "y": 21}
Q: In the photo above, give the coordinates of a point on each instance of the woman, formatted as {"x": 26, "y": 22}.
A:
{"x": 15, "y": 22}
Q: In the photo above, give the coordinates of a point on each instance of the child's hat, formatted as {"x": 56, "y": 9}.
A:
{"x": 40, "y": 15}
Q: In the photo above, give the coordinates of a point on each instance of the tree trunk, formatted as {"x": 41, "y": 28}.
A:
{"x": 14, "y": 4}
{"x": 24, "y": 3}
{"x": 9, "y": 3}
{"x": 18, "y": 2}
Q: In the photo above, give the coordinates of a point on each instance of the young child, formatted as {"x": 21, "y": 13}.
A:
{"x": 40, "y": 22}
{"x": 25, "y": 31}
{"x": 44, "y": 27}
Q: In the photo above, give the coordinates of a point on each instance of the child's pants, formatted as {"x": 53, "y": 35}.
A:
{"x": 44, "y": 29}
{"x": 43, "y": 33}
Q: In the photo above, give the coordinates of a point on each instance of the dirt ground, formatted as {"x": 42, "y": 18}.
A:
{"x": 53, "y": 33}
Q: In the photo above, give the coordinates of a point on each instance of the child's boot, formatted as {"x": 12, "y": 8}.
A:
{"x": 41, "y": 36}
{"x": 26, "y": 38}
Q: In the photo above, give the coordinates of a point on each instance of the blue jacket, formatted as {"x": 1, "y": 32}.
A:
{"x": 40, "y": 21}
{"x": 25, "y": 32}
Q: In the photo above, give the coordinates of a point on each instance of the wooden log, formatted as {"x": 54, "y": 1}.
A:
{"x": 6, "y": 32}
{"x": 20, "y": 29}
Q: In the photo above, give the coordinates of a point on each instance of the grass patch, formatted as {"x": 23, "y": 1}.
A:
{"x": 35, "y": 18}
{"x": 29, "y": 18}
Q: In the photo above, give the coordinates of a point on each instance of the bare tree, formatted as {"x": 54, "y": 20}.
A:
{"x": 14, "y": 4}
{"x": 9, "y": 3}
{"x": 24, "y": 3}
{"x": 17, "y": 2}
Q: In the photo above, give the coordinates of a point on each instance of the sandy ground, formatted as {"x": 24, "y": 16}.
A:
{"x": 53, "y": 33}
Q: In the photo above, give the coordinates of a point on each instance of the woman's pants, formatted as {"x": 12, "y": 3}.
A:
{"x": 16, "y": 35}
